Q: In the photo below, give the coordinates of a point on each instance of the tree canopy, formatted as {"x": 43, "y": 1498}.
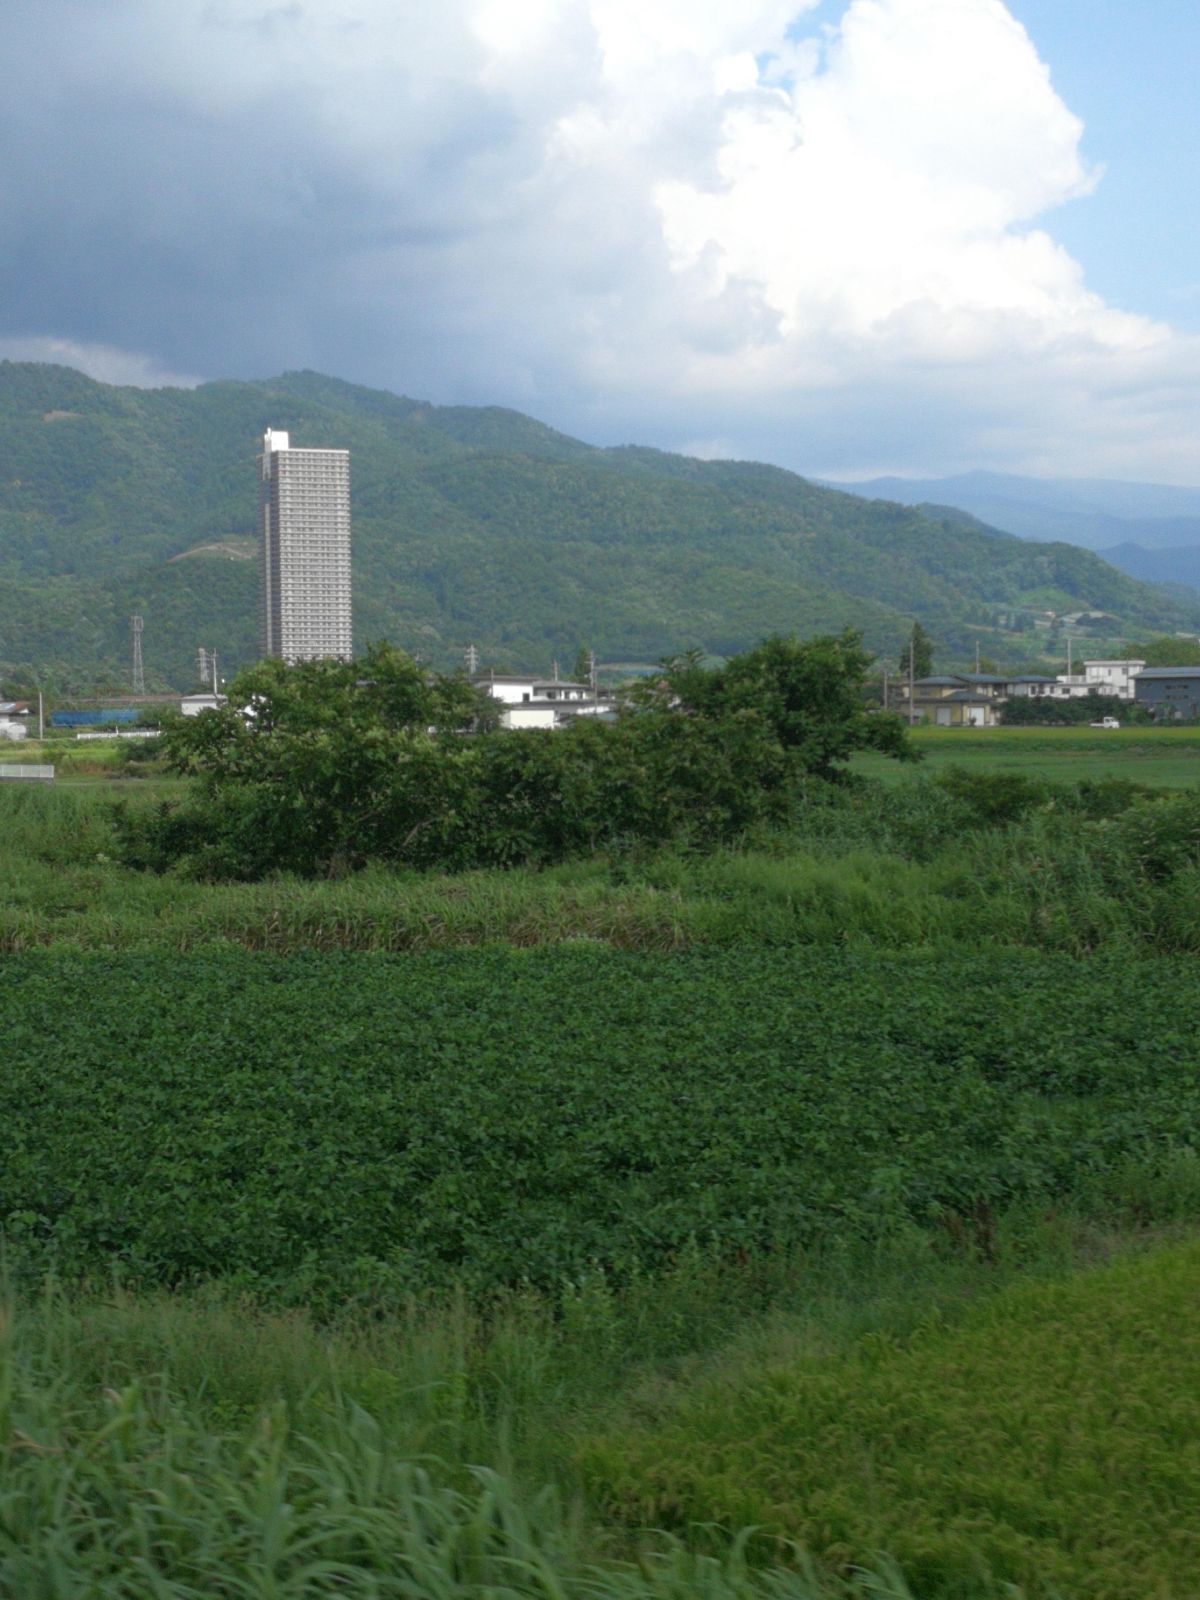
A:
{"x": 1165, "y": 650}
{"x": 917, "y": 653}
{"x": 324, "y": 767}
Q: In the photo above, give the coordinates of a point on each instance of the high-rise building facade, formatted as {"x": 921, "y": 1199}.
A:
{"x": 304, "y": 551}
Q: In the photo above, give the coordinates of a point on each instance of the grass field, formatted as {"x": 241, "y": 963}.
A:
{"x": 1163, "y": 758}
{"x": 443, "y": 1236}
{"x": 1046, "y": 1440}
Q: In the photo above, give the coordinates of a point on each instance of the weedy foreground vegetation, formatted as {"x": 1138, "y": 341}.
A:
{"x": 807, "y": 1211}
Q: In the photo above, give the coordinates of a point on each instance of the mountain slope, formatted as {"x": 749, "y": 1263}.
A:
{"x": 476, "y": 525}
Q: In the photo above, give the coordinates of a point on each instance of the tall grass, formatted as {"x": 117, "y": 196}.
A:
{"x": 201, "y": 1446}
{"x": 1046, "y": 1440}
{"x": 921, "y": 865}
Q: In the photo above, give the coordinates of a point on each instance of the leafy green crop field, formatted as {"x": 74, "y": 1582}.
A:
{"x": 1164, "y": 758}
{"x": 343, "y": 1124}
{"x": 1048, "y": 1440}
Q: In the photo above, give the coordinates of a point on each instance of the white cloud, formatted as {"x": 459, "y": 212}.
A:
{"x": 99, "y": 361}
{"x": 668, "y": 219}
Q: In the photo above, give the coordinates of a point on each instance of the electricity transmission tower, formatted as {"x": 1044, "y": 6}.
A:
{"x": 206, "y": 668}
{"x": 139, "y": 671}
{"x": 472, "y": 660}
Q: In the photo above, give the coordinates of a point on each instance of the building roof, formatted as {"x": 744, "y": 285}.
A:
{"x": 1168, "y": 672}
{"x": 1031, "y": 677}
{"x": 958, "y": 697}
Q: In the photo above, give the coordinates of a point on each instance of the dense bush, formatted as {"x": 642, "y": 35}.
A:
{"x": 334, "y": 765}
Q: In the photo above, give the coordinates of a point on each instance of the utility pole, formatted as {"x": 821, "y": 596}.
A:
{"x": 215, "y": 681}
{"x": 139, "y": 672}
{"x": 977, "y": 658}
{"x": 1069, "y": 673}
{"x": 885, "y": 688}
{"x": 592, "y": 669}
{"x": 41, "y": 718}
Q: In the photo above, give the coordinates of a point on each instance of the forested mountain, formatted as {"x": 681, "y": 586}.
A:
{"x": 476, "y": 525}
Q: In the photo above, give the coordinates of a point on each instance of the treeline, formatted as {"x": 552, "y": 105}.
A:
{"x": 321, "y": 768}
{"x": 1023, "y": 712}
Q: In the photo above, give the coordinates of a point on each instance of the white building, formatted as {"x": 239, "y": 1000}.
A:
{"x": 531, "y": 702}
{"x": 304, "y": 551}
{"x": 1112, "y": 677}
{"x": 193, "y": 704}
{"x": 1033, "y": 686}
{"x": 14, "y": 720}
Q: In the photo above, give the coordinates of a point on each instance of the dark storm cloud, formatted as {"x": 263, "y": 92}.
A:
{"x": 597, "y": 210}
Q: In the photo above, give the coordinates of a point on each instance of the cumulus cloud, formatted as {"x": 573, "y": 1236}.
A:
{"x": 100, "y": 361}
{"x": 676, "y": 220}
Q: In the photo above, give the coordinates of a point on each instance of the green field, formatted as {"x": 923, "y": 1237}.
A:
{"x": 362, "y": 1121}
{"x": 1164, "y": 758}
{"x": 420, "y": 1234}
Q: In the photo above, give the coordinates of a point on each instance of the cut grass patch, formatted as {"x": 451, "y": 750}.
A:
{"x": 1050, "y": 1439}
{"x": 1162, "y": 758}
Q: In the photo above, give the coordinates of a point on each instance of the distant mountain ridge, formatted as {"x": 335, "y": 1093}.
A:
{"x": 1150, "y": 531}
{"x": 477, "y": 525}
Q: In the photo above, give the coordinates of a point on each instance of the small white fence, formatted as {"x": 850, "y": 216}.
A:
{"x": 125, "y": 733}
{"x": 18, "y": 769}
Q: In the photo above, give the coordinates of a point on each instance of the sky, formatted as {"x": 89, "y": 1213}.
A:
{"x": 847, "y": 236}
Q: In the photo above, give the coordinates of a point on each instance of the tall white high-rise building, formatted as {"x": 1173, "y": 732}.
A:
{"x": 304, "y": 551}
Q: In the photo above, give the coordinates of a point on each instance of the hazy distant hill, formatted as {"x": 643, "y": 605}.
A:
{"x": 1096, "y": 513}
{"x": 475, "y": 525}
{"x": 1179, "y": 566}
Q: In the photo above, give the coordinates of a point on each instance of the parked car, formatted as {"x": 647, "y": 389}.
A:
{"x": 1105, "y": 722}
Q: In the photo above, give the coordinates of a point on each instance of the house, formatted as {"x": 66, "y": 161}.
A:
{"x": 14, "y": 716}
{"x": 1170, "y": 694}
{"x": 540, "y": 702}
{"x": 193, "y": 704}
{"x": 531, "y": 714}
{"x": 1115, "y": 678}
{"x": 512, "y": 689}
{"x": 1032, "y": 686}
{"x": 953, "y": 699}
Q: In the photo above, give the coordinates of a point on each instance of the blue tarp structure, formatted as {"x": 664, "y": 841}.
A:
{"x": 92, "y": 719}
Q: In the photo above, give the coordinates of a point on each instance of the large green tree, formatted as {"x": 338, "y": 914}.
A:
{"x": 324, "y": 767}
{"x": 917, "y": 653}
{"x": 808, "y": 692}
